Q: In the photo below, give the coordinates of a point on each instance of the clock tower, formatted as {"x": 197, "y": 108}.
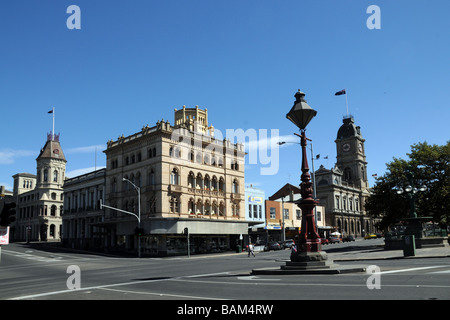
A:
{"x": 351, "y": 158}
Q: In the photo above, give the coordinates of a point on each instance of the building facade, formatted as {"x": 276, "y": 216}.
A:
{"x": 83, "y": 218}
{"x": 187, "y": 181}
{"x": 343, "y": 190}
{"x": 255, "y": 213}
{"x": 39, "y": 197}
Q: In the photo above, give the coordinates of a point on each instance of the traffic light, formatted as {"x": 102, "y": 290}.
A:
{"x": 8, "y": 214}
{"x": 139, "y": 231}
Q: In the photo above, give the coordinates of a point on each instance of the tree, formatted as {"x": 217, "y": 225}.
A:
{"x": 430, "y": 167}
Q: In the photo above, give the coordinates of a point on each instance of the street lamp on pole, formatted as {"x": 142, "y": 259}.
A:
{"x": 139, "y": 213}
{"x": 414, "y": 226}
{"x": 309, "y": 248}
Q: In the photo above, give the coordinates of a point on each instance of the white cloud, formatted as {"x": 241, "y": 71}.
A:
{"x": 253, "y": 145}
{"x": 9, "y": 156}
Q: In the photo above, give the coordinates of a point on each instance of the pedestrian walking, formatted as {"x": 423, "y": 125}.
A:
{"x": 251, "y": 250}
{"x": 294, "y": 248}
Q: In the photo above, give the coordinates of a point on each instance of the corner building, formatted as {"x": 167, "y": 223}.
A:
{"x": 39, "y": 197}
{"x": 187, "y": 179}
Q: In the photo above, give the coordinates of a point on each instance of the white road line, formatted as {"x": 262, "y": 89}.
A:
{"x": 32, "y": 257}
{"x": 436, "y": 272}
{"x": 32, "y": 296}
{"x": 106, "y": 286}
{"x": 410, "y": 269}
{"x": 162, "y": 294}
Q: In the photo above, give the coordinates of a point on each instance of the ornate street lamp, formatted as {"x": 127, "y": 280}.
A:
{"x": 309, "y": 244}
{"x": 414, "y": 226}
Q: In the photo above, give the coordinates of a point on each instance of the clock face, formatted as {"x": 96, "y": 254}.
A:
{"x": 346, "y": 147}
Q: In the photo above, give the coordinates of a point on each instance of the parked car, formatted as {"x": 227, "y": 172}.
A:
{"x": 370, "y": 236}
{"x": 334, "y": 240}
{"x": 324, "y": 240}
{"x": 348, "y": 238}
{"x": 287, "y": 244}
{"x": 272, "y": 246}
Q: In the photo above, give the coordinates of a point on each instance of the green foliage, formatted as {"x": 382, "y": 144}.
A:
{"x": 429, "y": 165}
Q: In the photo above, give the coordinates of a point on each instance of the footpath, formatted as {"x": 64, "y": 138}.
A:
{"x": 378, "y": 253}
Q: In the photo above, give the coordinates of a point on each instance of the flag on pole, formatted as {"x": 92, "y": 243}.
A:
{"x": 51, "y": 111}
{"x": 340, "y": 92}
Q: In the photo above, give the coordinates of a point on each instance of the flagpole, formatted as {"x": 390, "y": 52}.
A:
{"x": 346, "y": 102}
{"x": 53, "y": 128}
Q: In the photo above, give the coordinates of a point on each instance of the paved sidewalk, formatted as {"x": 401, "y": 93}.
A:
{"x": 379, "y": 253}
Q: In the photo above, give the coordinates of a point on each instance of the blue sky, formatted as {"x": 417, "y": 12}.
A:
{"x": 132, "y": 63}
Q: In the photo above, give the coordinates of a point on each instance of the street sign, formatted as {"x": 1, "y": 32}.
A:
{"x": 4, "y": 235}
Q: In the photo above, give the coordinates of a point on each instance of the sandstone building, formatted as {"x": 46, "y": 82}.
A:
{"x": 187, "y": 180}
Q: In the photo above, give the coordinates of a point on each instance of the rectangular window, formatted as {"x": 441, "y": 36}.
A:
{"x": 286, "y": 213}
{"x": 272, "y": 213}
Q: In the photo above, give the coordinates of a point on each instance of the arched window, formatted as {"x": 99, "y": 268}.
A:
{"x": 174, "y": 176}
{"x": 199, "y": 207}
{"x": 214, "y": 209}
{"x": 214, "y": 183}
{"x": 191, "y": 180}
{"x": 235, "y": 187}
{"x": 221, "y": 209}
{"x": 150, "y": 177}
{"x": 236, "y": 210}
{"x": 52, "y": 231}
{"x": 53, "y": 211}
{"x": 199, "y": 181}
{"x": 207, "y": 208}
{"x": 45, "y": 175}
{"x": 207, "y": 183}
{"x": 55, "y": 176}
{"x": 191, "y": 206}
{"x": 174, "y": 204}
